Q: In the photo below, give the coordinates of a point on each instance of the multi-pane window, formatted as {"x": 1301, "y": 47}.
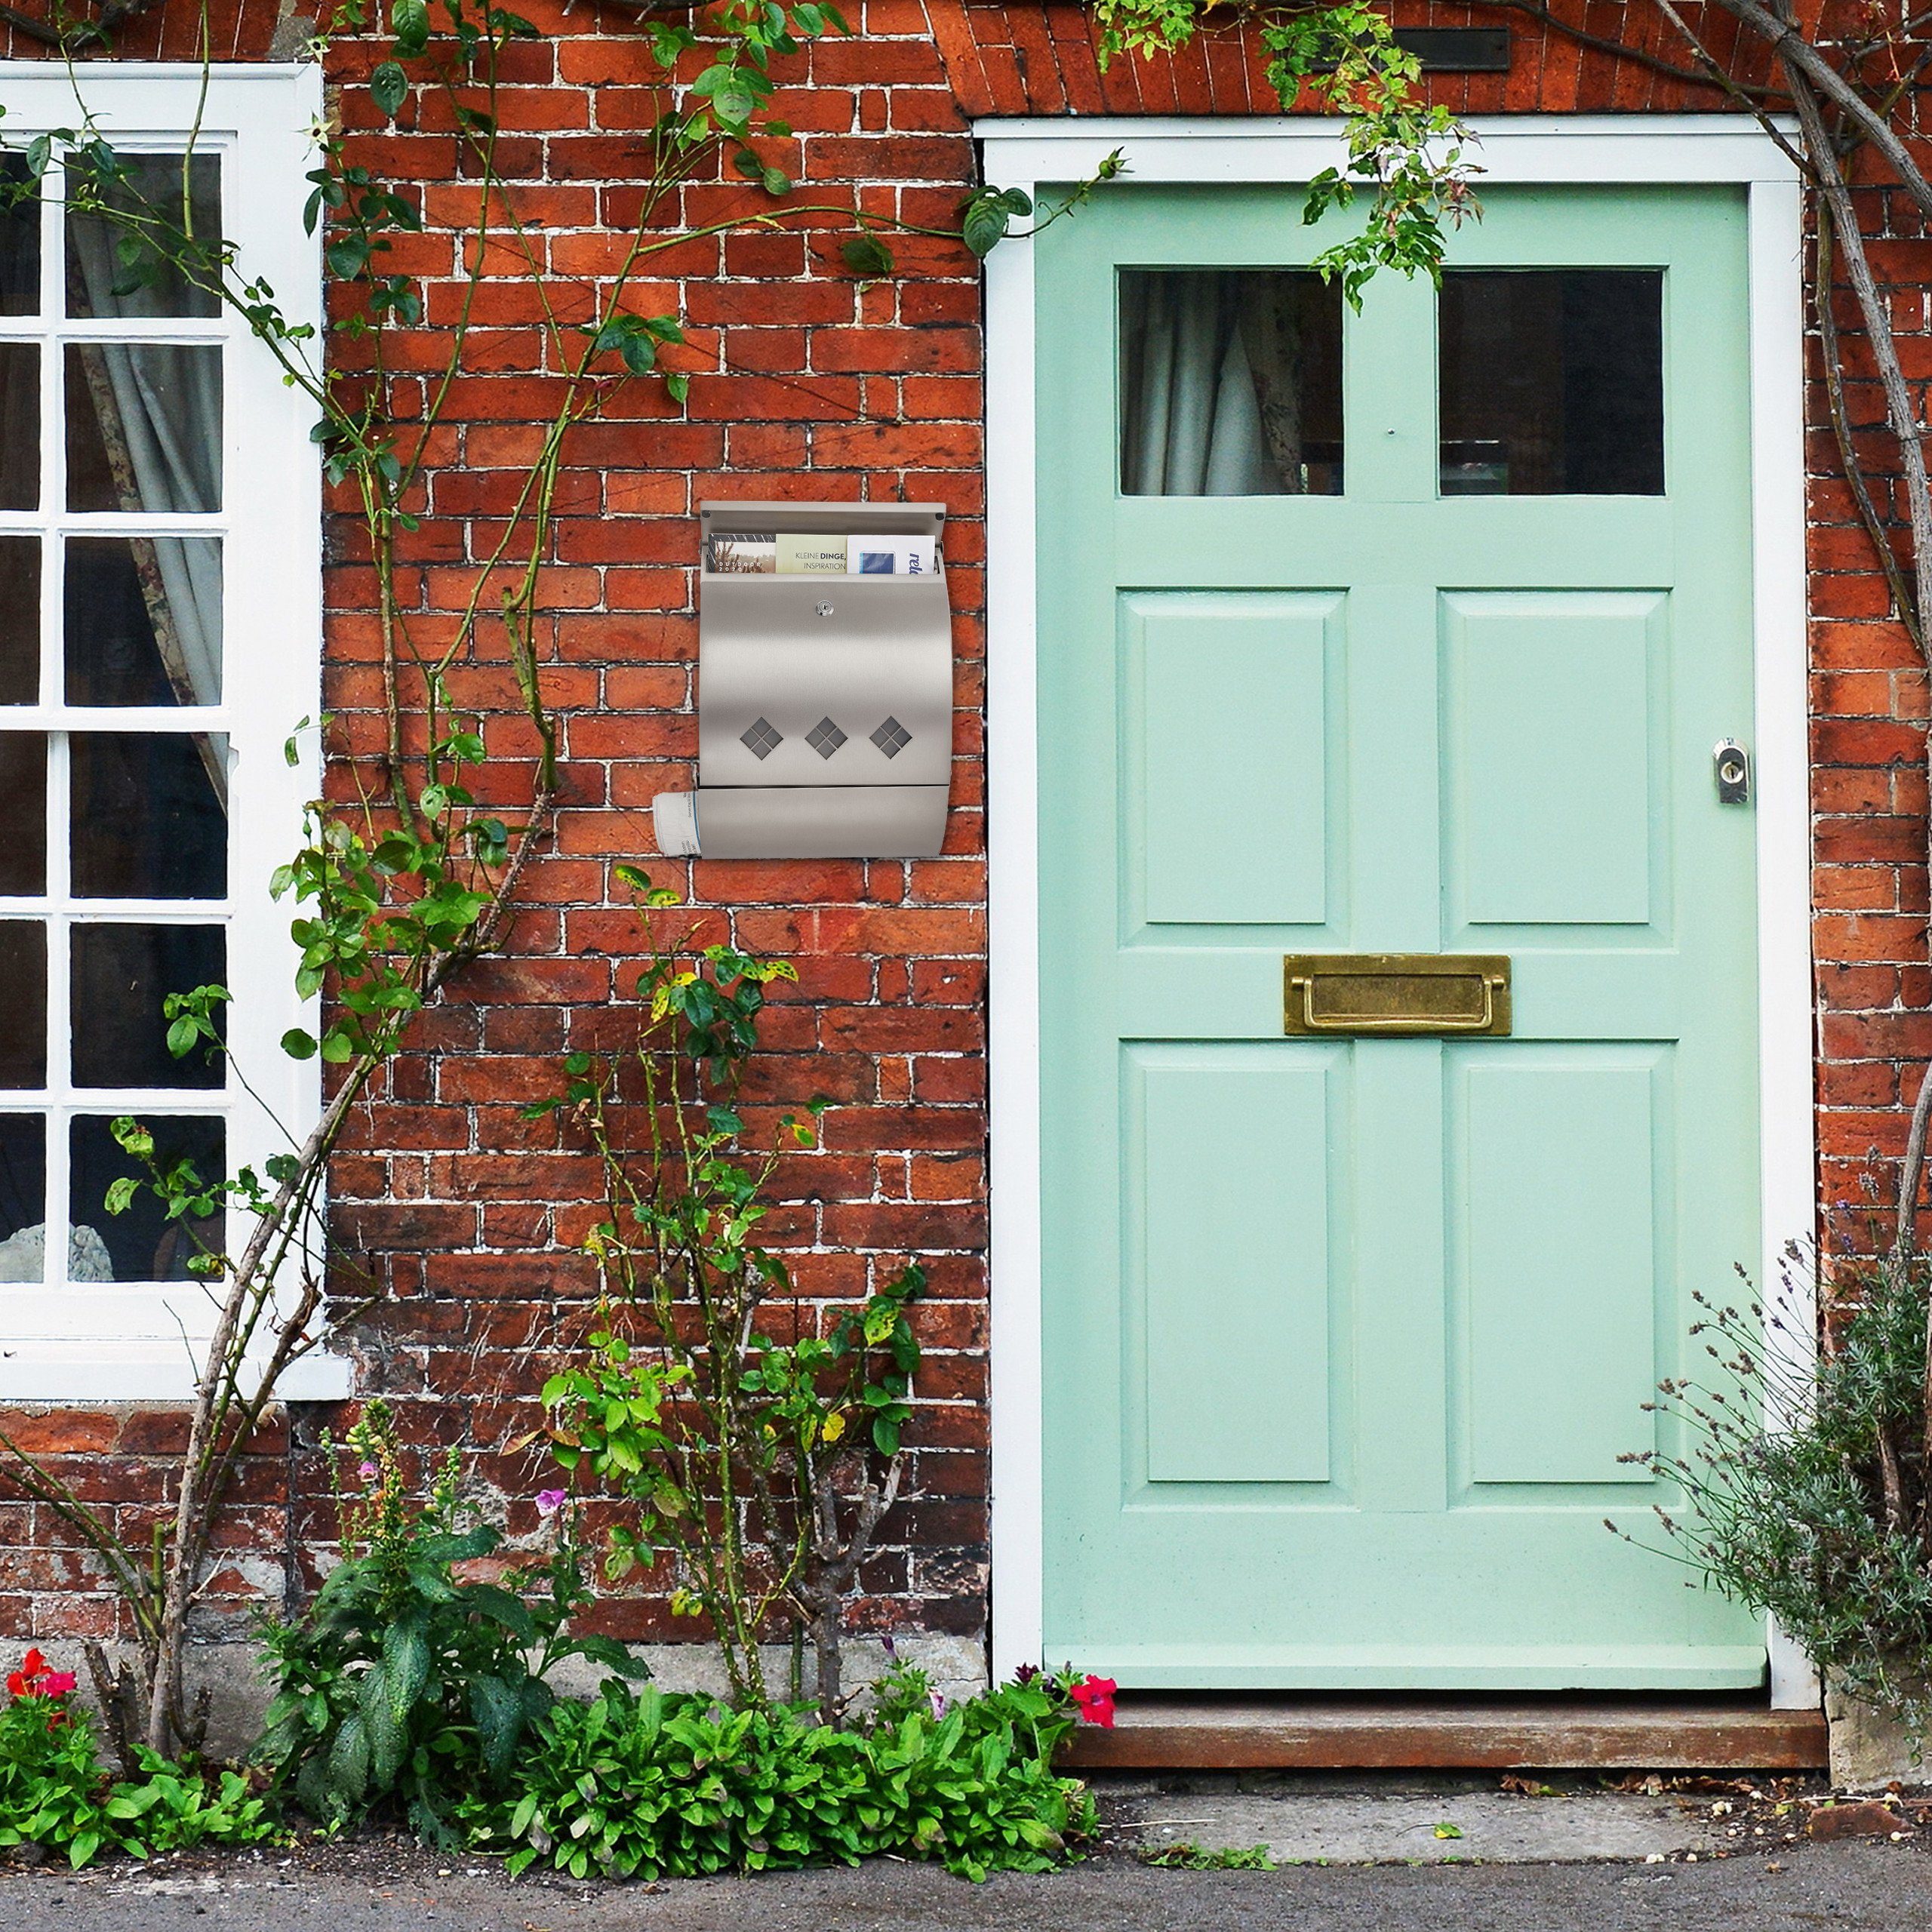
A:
{"x": 156, "y": 512}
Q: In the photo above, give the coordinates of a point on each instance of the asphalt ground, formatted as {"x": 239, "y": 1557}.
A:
{"x": 386, "y": 1885}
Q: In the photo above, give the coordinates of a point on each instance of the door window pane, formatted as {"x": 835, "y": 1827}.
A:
{"x": 121, "y": 976}
{"x": 115, "y": 268}
{"x": 20, "y": 426}
{"x": 142, "y": 617}
{"x": 20, "y": 619}
{"x": 143, "y": 427}
{"x": 19, "y": 239}
{"x": 150, "y": 816}
{"x": 141, "y": 1245}
{"x": 1552, "y": 382}
{"x": 22, "y": 1198}
{"x": 1230, "y": 383}
{"x": 23, "y": 1010}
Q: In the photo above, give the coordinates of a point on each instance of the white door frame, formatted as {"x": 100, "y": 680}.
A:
{"x": 1668, "y": 149}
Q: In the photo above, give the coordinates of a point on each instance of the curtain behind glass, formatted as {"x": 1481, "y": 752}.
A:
{"x": 1212, "y": 382}
{"x": 160, "y": 415}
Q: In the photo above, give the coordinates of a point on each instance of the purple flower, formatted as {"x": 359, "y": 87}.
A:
{"x": 892, "y": 1648}
{"x": 937, "y": 1699}
{"x": 549, "y": 1501}
{"x": 368, "y": 1472}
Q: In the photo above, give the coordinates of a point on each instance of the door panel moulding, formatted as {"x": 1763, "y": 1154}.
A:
{"x": 1581, "y": 149}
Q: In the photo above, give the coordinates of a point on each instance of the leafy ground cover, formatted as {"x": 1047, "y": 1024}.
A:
{"x": 55, "y": 1793}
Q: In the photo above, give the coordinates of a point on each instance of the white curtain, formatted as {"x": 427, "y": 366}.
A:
{"x": 159, "y": 406}
{"x": 1211, "y": 401}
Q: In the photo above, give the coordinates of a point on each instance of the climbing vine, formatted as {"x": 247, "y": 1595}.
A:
{"x": 407, "y": 877}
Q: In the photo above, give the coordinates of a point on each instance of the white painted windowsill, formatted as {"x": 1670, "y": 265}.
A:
{"x": 56, "y": 1373}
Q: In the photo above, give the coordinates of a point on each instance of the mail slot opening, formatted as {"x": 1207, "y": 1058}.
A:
{"x": 1396, "y": 993}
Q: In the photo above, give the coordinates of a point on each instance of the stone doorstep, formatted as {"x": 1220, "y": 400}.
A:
{"x": 1160, "y": 1731}
{"x": 1344, "y": 1825}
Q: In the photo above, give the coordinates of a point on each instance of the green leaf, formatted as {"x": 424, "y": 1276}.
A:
{"x": 496, "y": 1706}
{"x": 866, "y": 254}
{"x": 406, "y": 1660}
{"x": 409, "y": 21}
{"x": 297, "y": 1044}
{"x": 508, "y": 1612}
{"x": 348, "y": 1770}
{"x": 389, "y": 85}
{"x": 986, "y": 224}
{"x": 613, "y": 1655}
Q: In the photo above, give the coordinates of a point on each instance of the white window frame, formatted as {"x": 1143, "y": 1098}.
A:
{"x": 62, "y": 1341}
{"x": 1538, "y": 149}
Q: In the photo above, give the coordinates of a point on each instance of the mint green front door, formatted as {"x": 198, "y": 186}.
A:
{"x": 1348, "y": 1339}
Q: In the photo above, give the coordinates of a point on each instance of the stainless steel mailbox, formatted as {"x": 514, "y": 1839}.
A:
{"x": 825, "y": 702}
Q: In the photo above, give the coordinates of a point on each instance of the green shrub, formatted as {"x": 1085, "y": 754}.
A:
{"x": 1808, "y": 1491}
{"x": 403, "y": 1684}
{"x": 55, "y": 1794}
{"x": 656, "y": 1785}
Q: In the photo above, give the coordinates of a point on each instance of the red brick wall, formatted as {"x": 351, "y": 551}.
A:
{"x": 807, "y": 385}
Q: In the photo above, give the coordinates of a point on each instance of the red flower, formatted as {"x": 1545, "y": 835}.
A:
{"x": 58, "y": 1683}
{"x": 25, "y": 1682}
{"x": 1095, "y": 1697}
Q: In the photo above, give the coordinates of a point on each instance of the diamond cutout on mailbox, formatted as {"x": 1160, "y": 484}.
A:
{"x": 761, "y": 739}
{"x": 892, "y": 737}
{"x": 824, "y": 737}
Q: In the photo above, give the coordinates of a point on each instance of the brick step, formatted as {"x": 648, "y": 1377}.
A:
{"x": 1168, "y": 1731}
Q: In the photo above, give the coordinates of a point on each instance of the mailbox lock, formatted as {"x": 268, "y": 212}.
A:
{"x": 1732, "y": 765}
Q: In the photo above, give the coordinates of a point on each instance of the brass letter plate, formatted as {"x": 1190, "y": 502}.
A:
{"x": 1395, "y": 993}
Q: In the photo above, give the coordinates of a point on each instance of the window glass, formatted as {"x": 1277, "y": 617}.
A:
{"x": 19, "y": 239}
{"x": 22, "y": 1196}
{"x": 149, "y": 815}
{"x": 23, "y": 1011}
{"x": 22, "y": 814}
{"x": 121, "y": 977}
{"x": 1552, "y": 382}
{"x": 20, "y": 619}
{"x": 116, "y": 269}
{"x": 20, "y": 426}
{"x": 144, "y": 426}
{"x": 142, "y": 616}
{"x": 141, "y": 1245}
{"x": 1230, "y": 383}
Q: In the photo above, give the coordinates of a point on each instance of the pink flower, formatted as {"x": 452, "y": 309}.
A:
{"x": 368, "y": 1472}
{"x": 1094, "y": 1696}
{"x": 58, "y": 1683}
{"x": 549, "y": 1501}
